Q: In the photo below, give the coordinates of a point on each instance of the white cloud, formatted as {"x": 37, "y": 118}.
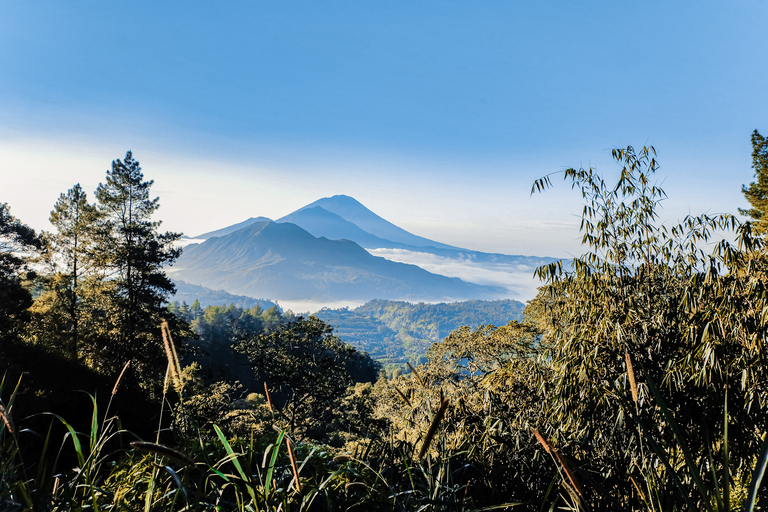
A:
{"x": 517, "y": 279}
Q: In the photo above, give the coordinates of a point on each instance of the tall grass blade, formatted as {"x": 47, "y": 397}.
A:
{"x": 726, "y": 458}
{"x": 757, "y": 477}
{"x": 6, "y": 418}
{"x": 295, "y": 469}
{"x": 94, "y": 425}
{"x": 665, "y": 461}
{"x": 72, "y": 433}
{"x": 416, "y": 374}
{"x": 272, "y": 462}
{"x": 178, "y": 483}
{"x": 120, "y": 377}
{"x": 233, "y": 457}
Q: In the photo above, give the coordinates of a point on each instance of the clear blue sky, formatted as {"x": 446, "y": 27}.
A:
{"x": 437, "y": 115}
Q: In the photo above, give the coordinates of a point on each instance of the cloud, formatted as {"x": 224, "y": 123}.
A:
{"x": 517, "y": 279}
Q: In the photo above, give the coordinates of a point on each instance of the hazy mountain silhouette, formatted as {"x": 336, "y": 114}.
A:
{"x": 320, "y": 222}
{"x": 352, "y": 211}
{"x": 284, "y": 261}
{"x": 230, "y": 229}
{"x": 342, "y": 217}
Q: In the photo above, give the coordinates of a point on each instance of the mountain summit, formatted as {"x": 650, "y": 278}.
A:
{"x": 351, "y": 210}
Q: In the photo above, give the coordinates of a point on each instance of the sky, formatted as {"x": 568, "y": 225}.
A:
{"x": 436, "y": 115}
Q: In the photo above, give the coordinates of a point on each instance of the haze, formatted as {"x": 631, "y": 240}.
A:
{"x": 436, "y": 115}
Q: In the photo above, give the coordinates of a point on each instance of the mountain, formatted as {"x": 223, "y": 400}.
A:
{"x": 322, "y": 223}
{"x": 349, "y": 209}
{"x": 285, "y": 262}
{"x": 230, "y": 229}
{"x": 342, "y": 217}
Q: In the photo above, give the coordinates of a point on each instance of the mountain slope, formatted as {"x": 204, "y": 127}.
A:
{"x": 283, "y": 261}
{"x": 397, "y": 331}
{"x": 342, "y": 217}
{"x": 230, "y": 229}
{"x": 352, "y": 211}
{"x": 321, "y": 223}
{"x": 186, "y": 292}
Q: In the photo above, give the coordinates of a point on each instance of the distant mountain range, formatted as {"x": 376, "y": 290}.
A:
{"x": 318, "y": 253}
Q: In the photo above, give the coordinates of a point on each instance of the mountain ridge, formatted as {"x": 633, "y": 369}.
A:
{"x": 502, "y": 275}
{"x": 351, "y": 210}
{"x": 284, "y": 261}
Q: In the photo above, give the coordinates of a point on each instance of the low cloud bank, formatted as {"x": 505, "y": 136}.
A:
{"x": 517, "y": 279}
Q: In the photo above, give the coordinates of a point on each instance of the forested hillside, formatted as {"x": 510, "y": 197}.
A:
{"x": 396, "y": 331}
{"x": 189, "y": 293}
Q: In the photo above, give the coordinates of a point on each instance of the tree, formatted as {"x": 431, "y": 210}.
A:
{"x": 489, "y": 378}
{"x": 646, "y": 309}
{"x": 17, "y": 240}
{"x": 757, "y": 192}
{"x": 134, "y": 253}
{"x": 75, "y": 245}
{"x": 307, "y": 370}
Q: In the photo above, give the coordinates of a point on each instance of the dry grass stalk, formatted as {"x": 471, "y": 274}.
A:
{"x": 269, "y": 399}
{"x": 639, "y": 491}
{"x": 120, "y": 377}
{"x": 167, "y": 378}
{"x": 631, "y": 375}
{"x": 352, "y": 485}
{"x": 170, "y": 353}
{"x": 6, "y": 418}
{"x": 542, "y": 441}
{"x": 561, "y": 459}
{"x": 165, "y": 451}
{"x": 402, "y": 395}
{"x": 433, "y": 426}
{"x": 295, "y": 468}
{"x": 568, "y": 471}
{"x": 416, "y": 374}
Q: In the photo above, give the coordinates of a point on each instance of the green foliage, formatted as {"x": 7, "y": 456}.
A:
{"x": 133, "y": 254}
{"x": 73, "y": 248}
{"x": 489, "y": 378}
{"x": 649, "y": 294}
{"x": 103, "y": 299}
{"x": 16, "y": 239}
{"x": 757, "y": 192}
{"x": 307, "y": 370}
{"x": 636, "y": 380}
{"x": 396, "y": 331}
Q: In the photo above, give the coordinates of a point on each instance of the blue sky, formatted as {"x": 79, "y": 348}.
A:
{"x": 437, "y": 115}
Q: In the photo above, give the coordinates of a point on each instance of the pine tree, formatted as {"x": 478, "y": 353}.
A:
{"x": 135, "y": 253}
{"x": 757, "y": 192}
{"x": 75, "y": 245}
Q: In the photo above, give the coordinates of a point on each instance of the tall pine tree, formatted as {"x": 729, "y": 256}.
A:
{"x": 135, "y": 253}
{"x": 757, "y": 192}
{"x": 75, "y": 245}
